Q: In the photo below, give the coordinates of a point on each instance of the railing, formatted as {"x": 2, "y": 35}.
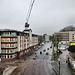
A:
{"x": 9, "y": 35}
{"x": 8, "y": 41}
{"x": 9, "y": 47}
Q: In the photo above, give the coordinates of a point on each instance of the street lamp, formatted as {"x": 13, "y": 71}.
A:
{"x": 59, "y": 65}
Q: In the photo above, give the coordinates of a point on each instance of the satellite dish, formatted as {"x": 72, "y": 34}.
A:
{"x": 26, "y": 25}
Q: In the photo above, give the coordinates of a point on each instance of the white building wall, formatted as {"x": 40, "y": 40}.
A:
{"x": 26, "y": 43}
{"x": 0, "y": 44}
{"x": 34, "y": 41}
{"x": 46, "y": 37}
{"x": 18, "y": 49}
{"x": 71, "y": 36}
{"x": 30, "y": 37}
{"x": 23, "y": 42}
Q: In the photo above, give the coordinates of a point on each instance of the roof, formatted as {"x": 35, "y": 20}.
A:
{"x": 34, "y": 35}
{"x": 27, "y": 30}
{"x": 11, "y": 30}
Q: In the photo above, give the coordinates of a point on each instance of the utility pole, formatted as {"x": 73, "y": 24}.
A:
{"x": 57, "y": 44}
{"x": 53, "y": 47}
{"x": 59, "y": 66}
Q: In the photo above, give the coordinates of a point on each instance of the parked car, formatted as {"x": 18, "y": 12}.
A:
{"x": 44, "y": 50}
{"x": 47, "y": 53}
{"x": 47, "y": 48}
{"x": 50, "y": 46}
{"x": 40, "y": 52}
{"x": 59, "y": 51}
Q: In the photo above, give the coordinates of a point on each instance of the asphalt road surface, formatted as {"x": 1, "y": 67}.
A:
{"x": 43, "y": 64}
{"x": 40, "y": 66}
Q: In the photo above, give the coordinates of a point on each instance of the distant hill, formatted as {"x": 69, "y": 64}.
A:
{"x": 68, "y": 28}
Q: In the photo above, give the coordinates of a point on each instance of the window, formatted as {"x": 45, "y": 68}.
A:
{"x": 10, "y": 56}
{"x": 2, "y": 39}
{"x": 6, "y": 45}
{"x": 6, "y": 33}
{"x": 8, "y": 51}
{"x": 3, "y": 56}
{"x": 12, "y": 45}
{"x": 25, "y": 51}
{"x": 11, "y": 50}
{"x": 2, "y": 45}
{"x": 3, "y": 51}
{"x": 13, "y": 34}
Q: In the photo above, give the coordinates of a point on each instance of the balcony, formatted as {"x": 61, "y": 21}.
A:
{"x": 9, "y": 47}
{"x": 8, "y": 41}
{"x": 9, "y": 35}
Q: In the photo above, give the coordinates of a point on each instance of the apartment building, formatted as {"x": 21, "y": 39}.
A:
{"x": 29, "y": 31}
{"x": 34, "y": 39}
{"x": 14, "y": 44}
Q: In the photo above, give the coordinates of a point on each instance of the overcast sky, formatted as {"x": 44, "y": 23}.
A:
{"x": 48, "y": 16}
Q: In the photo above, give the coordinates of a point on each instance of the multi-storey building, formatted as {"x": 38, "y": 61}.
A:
{"x": 67, "y": 36}
{"x": 29, "y": 31}
{"x": 34, "y": 39}
{"x": 72, "y": 36}
{"x": 14, "y": 44}
{"x": 64, "y": 35}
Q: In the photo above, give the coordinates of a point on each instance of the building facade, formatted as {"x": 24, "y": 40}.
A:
{"x": 46, "y": 38}
{"x": 14, "y": 44}
{"x": 66, "y": 36}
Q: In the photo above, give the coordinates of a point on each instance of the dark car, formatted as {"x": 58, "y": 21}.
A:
{"x": 40, "y": 52}
{"x": 50, "y": 46}
{"x": 44, "y": 50}
{"x": 47, "y": 54}
{"x": 59, "y": 51}
{"x": 47, "y": 48}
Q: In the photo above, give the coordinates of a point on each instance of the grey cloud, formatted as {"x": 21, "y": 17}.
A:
{"x": 48, "y": 16}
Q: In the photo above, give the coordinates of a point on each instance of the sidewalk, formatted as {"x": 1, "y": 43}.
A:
{"x": 21, "y": 67}
{"x": 64, "y": 69}
{"x": 9, "y": 70}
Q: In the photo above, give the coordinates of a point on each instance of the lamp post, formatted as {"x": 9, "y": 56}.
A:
{"x": 59, "y": 66}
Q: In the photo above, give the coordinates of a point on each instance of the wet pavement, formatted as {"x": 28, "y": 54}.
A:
{"x": 64, "y": 68}
{"x": 43, "y": 65}
{"x": 40, "y": 66}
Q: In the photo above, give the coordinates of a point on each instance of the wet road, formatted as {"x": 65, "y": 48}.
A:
{"x": 42, "y": 65}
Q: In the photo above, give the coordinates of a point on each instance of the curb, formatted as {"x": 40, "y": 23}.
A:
{"x": 55, "y": 71}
